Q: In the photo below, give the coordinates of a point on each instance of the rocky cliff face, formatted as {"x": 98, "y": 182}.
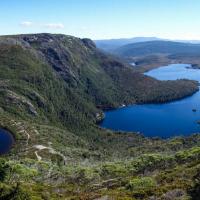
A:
{"x": 63, "y": 53}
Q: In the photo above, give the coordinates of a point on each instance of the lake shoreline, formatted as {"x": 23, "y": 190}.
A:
{"x": 109, "y": 108}
{"x": 138, "y": 119}
{"x": 123, "y": 104}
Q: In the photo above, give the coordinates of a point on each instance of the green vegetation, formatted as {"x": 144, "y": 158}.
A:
{"x": 52, "y": 91}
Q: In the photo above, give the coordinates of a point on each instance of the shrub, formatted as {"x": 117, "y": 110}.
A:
{"x": 143, "y": 183}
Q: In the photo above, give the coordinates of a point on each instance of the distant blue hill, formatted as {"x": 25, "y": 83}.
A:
{"x": 110, "y": 45}
{"x": 157, "y": 47}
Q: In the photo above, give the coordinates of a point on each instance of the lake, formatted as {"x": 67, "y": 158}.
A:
{"x": 6, "y": 141}
{"x": 160, "y": 120}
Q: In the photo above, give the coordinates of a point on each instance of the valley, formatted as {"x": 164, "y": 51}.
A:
{"x": 53, "y": 87}
{"x": 99, "y": 100}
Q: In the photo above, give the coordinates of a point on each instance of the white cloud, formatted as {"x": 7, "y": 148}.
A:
{"x": 26, "y": 23}
{"x": 54, "y": 25}
{"x": 47, "y": 25}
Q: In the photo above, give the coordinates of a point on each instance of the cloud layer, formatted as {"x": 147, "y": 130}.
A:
{"x": 48, "y": 25}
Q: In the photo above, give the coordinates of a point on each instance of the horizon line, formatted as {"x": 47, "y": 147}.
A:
{"x": 98, "y": 39}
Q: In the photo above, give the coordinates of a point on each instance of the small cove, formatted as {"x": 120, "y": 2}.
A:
{"x": 6, "y": 141}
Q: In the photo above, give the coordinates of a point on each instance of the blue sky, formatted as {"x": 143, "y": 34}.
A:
{"x": 99, "y": 19}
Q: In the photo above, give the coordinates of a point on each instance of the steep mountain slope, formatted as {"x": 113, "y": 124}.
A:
{"x": 52, "y": 89}
{"x": 49, "y": 65}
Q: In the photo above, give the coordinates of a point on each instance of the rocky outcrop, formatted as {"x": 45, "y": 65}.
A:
{"x": 14, "y": 98}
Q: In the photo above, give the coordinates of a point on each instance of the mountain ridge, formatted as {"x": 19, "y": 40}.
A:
{"x": 156, "y": 47}
{"x": 111, "y": 44}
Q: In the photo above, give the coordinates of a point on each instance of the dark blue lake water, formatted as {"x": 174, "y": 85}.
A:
{"x": 6, "y": 141}
{"x": 162, "y": 120}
